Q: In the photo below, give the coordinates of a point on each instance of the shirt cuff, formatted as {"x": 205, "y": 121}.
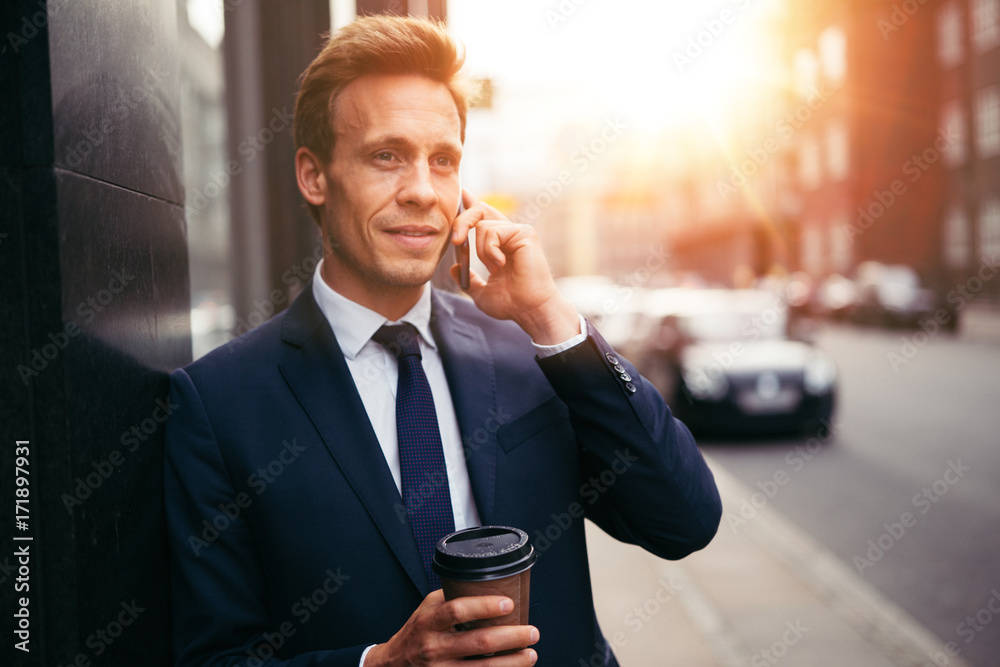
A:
{"x": 365, "y": 654}
{"x": 551, "y": 350}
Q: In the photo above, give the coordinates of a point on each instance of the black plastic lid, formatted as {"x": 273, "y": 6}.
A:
{"x": 483, "y": 553}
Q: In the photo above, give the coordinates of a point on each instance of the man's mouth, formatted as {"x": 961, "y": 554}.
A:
{"x": 415, "y": 237}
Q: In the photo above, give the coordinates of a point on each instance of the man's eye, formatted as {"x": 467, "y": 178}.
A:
{"x": 384, "y": 156}
{"x": 445, "y": 161}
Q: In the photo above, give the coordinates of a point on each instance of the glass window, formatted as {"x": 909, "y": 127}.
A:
{"x": 837, "y": 150}
{"x": 809, "y": 164}
{"x": 205, "y": 18}
{"x": 988, "y": 121}
{"x": 989, "y": 226}
{"x": 840, "y": 244}
{"x": 833, "y": 53}
{"x": 203, "y": 118}
{"x": 956, "y": 238}
{"x": 953, "y": 128}
{"x": 985, "y": 28}
{"x": 950, "y": 49}
{"x": 812, "y": 249}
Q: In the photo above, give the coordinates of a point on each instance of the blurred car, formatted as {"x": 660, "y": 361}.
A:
{"x": 612, "y": 307}
{"x": 725, "y": 364}
{"x": 892, "y": 295}
{"x": 797, "y": 289}
{"x": 835, "y": 297}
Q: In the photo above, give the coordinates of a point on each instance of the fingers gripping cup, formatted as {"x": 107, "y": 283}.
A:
{"x": 488, "y": 560}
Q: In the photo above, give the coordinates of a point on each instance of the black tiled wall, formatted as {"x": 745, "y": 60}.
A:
{"x": 94, "y": 278}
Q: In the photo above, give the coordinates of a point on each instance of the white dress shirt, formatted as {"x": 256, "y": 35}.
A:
{"x": 375, "y": 372}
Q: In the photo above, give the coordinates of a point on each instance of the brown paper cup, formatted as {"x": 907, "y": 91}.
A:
{"x": 488, "y": 560}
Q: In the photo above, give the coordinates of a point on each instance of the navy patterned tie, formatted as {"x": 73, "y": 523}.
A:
{"x": 424, "y": 476}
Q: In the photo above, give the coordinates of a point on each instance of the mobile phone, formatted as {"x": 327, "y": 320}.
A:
{"x": 462, "y": 254}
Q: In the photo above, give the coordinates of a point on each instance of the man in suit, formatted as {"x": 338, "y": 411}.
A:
{"x": 297, "y": 538}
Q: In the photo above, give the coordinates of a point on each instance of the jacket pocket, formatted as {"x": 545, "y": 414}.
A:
{"x": 550, "y": 414}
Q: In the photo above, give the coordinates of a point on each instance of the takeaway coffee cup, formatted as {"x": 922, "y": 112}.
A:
{"x": 488, "y": 560}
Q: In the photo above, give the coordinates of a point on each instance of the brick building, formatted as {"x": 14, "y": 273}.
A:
{"x": 882, "y": 142}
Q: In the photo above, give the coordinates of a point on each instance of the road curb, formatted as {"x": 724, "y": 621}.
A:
{"x": 874, "y": 617}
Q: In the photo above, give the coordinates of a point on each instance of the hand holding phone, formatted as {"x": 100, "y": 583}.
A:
{"x": 463, "y": 254}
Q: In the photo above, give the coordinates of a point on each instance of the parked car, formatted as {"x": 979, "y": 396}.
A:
{"x": 612, "y": 307}
{"x": 835, "y": 297}
{"x": 892, "y": 295}
{"x": 725, "y": 364}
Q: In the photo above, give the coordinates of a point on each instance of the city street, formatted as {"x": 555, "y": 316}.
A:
{"x": 906, "y": 494}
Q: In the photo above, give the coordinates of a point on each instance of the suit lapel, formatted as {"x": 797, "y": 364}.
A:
{"x": 315, "y": 370}
{"x": 469, "y": 367}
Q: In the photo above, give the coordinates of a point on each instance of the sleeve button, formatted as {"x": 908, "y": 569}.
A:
{"x": 629, "y": 387}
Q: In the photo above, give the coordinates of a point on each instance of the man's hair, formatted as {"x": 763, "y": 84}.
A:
{"x": 373, "y": 45}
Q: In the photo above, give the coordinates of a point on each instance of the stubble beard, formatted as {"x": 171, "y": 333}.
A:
{"x": 404, "y": 274}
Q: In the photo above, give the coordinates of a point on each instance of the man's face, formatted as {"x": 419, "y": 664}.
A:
{"x": 392, "y": 185}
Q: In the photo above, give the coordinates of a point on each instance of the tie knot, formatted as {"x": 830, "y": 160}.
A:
{"x": 401, "y": 340}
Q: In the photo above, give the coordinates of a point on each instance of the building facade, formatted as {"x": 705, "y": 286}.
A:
{"x": 881, "y": 142}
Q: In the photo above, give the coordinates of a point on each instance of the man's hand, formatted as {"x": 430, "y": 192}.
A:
{"x": 520, "y": 285}
{"x": 429, "y": 637}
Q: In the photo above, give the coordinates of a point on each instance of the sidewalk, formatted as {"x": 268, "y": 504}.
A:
{"x": 763, "y": 593}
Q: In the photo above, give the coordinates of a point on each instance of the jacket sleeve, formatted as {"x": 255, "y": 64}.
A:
{"x": 648, "y": 483}
{"x": 220, "y": 613}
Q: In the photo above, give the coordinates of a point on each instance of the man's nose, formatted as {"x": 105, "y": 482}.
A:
{"x": 418, "y": 187}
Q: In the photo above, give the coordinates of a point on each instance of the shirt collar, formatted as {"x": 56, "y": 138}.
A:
{"x": 354, "y": 324}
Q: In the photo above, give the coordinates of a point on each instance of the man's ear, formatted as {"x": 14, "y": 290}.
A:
{"x": 310, "y": 176}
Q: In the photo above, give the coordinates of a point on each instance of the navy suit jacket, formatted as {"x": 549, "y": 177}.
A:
{"x": 287, "y": 546}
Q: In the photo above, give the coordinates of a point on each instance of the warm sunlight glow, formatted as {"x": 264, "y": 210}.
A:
{"x": 661, "y": 62}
